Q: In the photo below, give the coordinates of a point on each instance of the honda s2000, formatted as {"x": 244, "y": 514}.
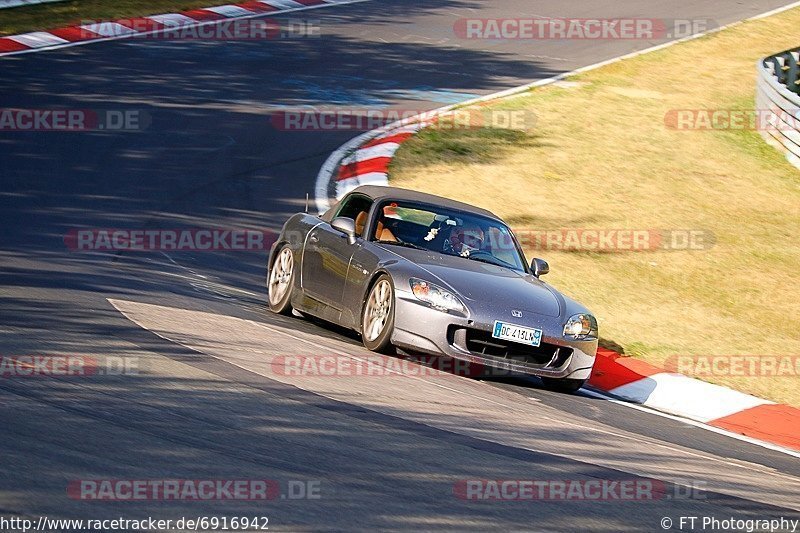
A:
{"x": 431, "y": 275}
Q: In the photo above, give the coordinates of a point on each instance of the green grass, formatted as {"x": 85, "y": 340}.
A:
{"x": 479, "y": 145}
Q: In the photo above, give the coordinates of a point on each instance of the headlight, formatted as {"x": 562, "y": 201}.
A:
{"x": 435, "y": 296}
{"x": 581, "y": 326}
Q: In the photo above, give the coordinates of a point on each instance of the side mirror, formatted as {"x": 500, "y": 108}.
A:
{"x": 346, "y": 226}
{"x": 539, "y": 267}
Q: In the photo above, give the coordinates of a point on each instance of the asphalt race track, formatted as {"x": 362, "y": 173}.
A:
{"x": 386, "y": 452}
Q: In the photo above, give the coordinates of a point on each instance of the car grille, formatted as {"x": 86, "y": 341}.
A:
{"x": 479, "y": 342}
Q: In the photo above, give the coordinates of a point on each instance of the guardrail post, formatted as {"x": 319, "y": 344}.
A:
{"x": 775, "y": 64}
{"x": 792, "y": 72}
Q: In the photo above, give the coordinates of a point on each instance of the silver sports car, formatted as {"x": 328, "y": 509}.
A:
{"x": 431, "y": 275}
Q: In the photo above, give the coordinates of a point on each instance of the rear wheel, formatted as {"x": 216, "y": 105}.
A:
{"x": 281, "y": 278}
{"x": 377, "y": 317}
{"x": 568, "y": 386}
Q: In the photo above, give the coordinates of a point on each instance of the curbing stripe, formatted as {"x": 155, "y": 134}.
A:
{"x": 258, "y": 7}
{"x": 38, "y": 39}
{"x": 203, "y": 15}
{"x": 612, "y": 370}
{"x": 229, "y": 11}
{"x": 370, "y": 178}
{"x": 770, "y": 422}
{"x": 10, "y": 45}
{"x": 396, "y": 138}
{"x": 107, "y": 29}
{"x": 75, "y": 34}
{"x": 173, "y": 20}
{"x": 145, "y": 23}
{"x": 283, "y": 4}
{"x": 376, "y": 151}
{"x": 377, "y": 164}
{"x": 125, "y": 28}
{"x": 690, "y": 398}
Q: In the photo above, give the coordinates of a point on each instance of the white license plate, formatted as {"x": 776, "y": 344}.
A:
{"x": 514, "y": 333}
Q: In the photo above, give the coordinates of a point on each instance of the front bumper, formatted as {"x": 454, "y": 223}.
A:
{"x": 420, "y": 328}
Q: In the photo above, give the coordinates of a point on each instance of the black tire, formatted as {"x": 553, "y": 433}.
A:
{"x": 567, "y": 386}
{"x": 382, "y": 343}
{"x": 281, "y": 305}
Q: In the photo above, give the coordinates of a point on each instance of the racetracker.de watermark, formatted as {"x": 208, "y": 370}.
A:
{"x": 221, "y": 30}
{"x": 732, "y": 120}
{"x": 31, "y": 366}
{"x": 617, "y": 490}
{"x": 542, "y": 28}
{"x": 180, "y": 240}
{"x": 754, "y": 366}
{"x": 611, "y": 240}
{"x": 379, "y": 366}
{"x": 73, "y": 120}
{"x": 193, "y": 489}
{"x": 364, "y": 119}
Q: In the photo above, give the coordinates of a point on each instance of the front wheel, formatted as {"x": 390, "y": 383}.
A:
{"x": 568, "y": 386}
{"x": 377, "y": 317}
{"x": 281, "y": 278}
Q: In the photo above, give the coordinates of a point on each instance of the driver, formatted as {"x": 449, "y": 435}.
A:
{"x": 464, "y": 240}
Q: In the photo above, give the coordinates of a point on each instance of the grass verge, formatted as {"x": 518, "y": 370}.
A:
{"x": 23, "y": 19}
{"x": 602, "y": 157}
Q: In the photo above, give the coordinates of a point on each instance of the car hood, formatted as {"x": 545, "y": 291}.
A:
{"x": 481, "y": 283}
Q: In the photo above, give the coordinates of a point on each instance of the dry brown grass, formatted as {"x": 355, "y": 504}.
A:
{"x": 602, "y": 157}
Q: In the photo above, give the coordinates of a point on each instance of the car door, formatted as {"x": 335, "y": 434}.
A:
{"x": 363, "y": 264}
{"x": 327, "y": 254}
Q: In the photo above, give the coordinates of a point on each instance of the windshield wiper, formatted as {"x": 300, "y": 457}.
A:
{"x": 493, "y": 261}
{"x": 402, "y": 243}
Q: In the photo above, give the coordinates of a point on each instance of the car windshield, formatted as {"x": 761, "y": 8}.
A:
{"x": 447, "y": 231}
